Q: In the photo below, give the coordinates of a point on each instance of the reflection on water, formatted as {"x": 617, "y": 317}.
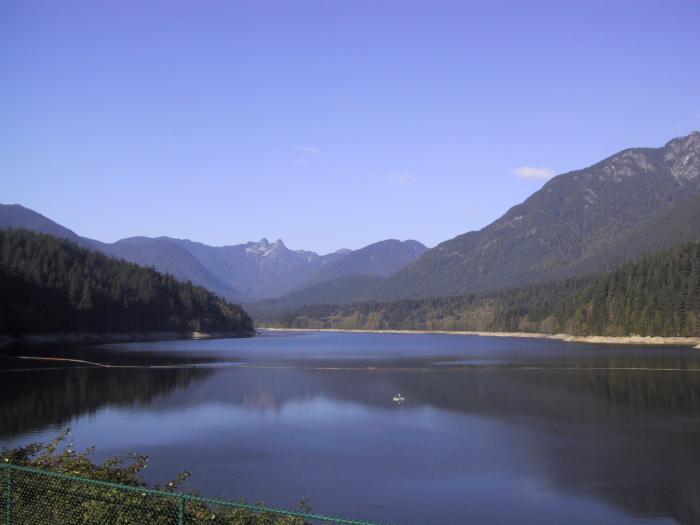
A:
{"x": 492, "y": 430}
{"x": 31, "y": 402}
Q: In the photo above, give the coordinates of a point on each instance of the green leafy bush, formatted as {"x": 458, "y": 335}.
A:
{"x": 70, "y": 488}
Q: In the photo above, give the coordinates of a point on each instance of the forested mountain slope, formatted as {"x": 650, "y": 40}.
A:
{"x": 380, "y": 259}
{"x": 584, "y": 221}
{"x": 167, "y": 257}
{"x": 53, "y": 285}
{"x": 338, "y": 291}
{"x": 578, "y": 222}
{"x": 658, "y": 295}
{"x": 242, "y": 272}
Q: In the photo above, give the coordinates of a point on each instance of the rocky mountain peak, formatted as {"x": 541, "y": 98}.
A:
{"x": 628, "y": 163}
{"x": 682, "y": 155}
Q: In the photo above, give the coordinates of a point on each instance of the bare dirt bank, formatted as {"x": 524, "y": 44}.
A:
{"x": 593, "y": 339}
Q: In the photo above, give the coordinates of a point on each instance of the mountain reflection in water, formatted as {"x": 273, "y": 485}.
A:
{"x": 495, "y": 430}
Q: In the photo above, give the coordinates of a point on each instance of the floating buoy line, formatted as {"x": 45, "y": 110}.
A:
{"x": 398, "y": 398}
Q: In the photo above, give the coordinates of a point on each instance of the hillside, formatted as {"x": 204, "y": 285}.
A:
{"x": 592, "y": 220}
{"x": 581, "y": 221}
{"x": 17, "y": 216}
{"x": 658, "y": 295}
{"x": 168, "y": 257}
{"x": 380, "y": 259}
{"x": 260, "y": 269}
{"x": 586, "y": 221}
{"x": 243, "y": 272}
{"x": 679, "y": 225}
{"x": 53, "y": 285}
{"x": 337, "y": 291}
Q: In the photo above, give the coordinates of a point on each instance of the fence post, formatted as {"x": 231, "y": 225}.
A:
{"x": 181, "y": 512}
{"x": 8, "y": 497}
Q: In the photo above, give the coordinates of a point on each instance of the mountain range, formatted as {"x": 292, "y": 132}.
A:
{"x": 656, "y": 295}
{"x": 586, "y": 221}
{"x": 51, "y": 285}
{"x": 582, "y": 222}
{"x": 589, "y": 220}
{"x": 243, "y": 273}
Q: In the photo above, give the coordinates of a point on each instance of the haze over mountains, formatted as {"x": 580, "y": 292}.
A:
{"x": 581, "y": 222}
{"x": 244, "y": 273}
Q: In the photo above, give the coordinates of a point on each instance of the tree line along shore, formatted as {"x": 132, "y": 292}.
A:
{"x": 52, "y": 286}
{"x": 655, "y": 297}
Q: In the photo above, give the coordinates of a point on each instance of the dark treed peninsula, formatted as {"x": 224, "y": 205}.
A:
{"x": 51, "y": 285}
{"x": 657, "y": 295}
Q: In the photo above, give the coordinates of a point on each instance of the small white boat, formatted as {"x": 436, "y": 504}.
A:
{"x": 398, "y": 398}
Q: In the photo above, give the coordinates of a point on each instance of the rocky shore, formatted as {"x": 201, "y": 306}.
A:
{"x": 593, "y": 339}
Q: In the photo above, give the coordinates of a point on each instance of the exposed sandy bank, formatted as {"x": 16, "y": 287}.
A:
{"x": 594, "y": 339}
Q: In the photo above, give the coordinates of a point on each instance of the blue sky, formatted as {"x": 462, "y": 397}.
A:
{"x": 326, "y": 123}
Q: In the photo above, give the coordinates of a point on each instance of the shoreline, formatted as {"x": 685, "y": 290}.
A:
{"x": 693, "y": 342}
{"x": 93, "y": 338}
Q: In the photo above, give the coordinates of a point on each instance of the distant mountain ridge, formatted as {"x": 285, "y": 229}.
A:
{"x": 341, "y": 290}
{"x": 586, "y": 221}
{"x": 167, "y": 256}
{"x": 159, "y": 254}
{"x": 17, "y": 216}
{"x": 656, "y": 295}
{"x": 243, "y": 273}
{"x": 259, "y": 269}
{"x": 581, "y": 222}
{"x": 380, "y": 259}
{"x": 349, "y": 278}
{"x": 53, "y": 285}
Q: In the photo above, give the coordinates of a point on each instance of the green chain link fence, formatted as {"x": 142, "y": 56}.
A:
{"x": 32, "y": 496}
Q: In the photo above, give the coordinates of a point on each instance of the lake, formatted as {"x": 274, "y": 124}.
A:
{"x": 492, "y": 430}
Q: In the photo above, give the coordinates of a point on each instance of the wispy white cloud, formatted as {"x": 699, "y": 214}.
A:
{"x": 308, "y": 150}
{"x": 400, "y": 177}
{"x": 304, "y": 155}
{"x": 533, "y": 173}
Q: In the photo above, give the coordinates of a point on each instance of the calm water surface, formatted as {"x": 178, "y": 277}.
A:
{"x": 493, "y": 430}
